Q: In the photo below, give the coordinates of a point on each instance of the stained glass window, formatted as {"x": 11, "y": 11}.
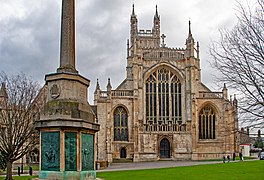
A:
{"x": 163, "y": 97}
{"x": 207, "y": 119}
{"x": 120, "y": 124}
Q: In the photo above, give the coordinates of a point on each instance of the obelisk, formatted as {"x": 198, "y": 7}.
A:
{"x": 67, "y": 124}
{"x": 67, "y": 48}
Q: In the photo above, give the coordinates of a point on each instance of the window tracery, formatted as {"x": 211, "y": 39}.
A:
{"x": 120, "y": 124}
{"x": 163, "y": 97}
{"x": 207, "y": 123}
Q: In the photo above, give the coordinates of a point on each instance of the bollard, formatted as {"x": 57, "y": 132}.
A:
{"x": 18, "y": 171}
{"x": 30, "y": 171}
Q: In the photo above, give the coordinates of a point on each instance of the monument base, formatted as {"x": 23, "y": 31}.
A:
{"x": 69, "y": 175}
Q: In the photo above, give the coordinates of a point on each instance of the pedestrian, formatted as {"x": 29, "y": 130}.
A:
{"x": 224, "y": 159}
{"x": 228, "y": 158}
{"x": 234, "y": 156}
{"x": 240, "y": 156}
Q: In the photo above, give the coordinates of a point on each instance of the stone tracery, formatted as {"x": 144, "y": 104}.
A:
{"x": 163, "y": 97}
{"x": 120, "y": 124}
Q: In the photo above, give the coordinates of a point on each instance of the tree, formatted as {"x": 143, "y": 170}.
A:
{"x": 258, "y": 143}
{"x": 2, "y": 163}
{"x": 17, "y": 115}
{"x": 239, "y": 57}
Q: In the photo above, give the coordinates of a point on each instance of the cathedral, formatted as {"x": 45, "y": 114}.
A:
{"x": 162, "y": 110}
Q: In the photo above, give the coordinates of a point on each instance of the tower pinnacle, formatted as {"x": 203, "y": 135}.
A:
{"x": 190, "y": 33}
{"x": 133, "y": 11}
{"x": 189, "y": 43}
{"x": 156, "y": 14}
{"x": 190, "y": 38}
{"x": 67, "y": 45}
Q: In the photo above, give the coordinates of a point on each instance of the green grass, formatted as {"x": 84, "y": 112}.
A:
{"x": 20, "y": 177}
{"x": 239, "y": 170}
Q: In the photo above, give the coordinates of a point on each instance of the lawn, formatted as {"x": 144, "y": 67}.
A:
{"x": 231, "y": 159}
{"x": 239, "y": 170}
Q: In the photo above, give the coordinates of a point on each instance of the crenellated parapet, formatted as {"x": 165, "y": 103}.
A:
{"x": 166, "y": 53}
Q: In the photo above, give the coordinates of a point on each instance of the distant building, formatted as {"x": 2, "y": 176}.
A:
{"x": 245, "y": 149}
{"x": 162, "y": 109}
{"x": 245, "y": 137}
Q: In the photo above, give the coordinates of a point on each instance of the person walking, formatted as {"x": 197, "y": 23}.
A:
{"x": 241, "y": 156}
{"x": 234, "y": 156}
{"x": 228, "y": 158}
{"x": 224, "y": 158}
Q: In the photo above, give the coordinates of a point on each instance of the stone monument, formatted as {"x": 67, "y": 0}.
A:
{"x": 67, "y": 124}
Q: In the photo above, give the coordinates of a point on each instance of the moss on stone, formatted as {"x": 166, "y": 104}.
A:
{"x": 67, "y": 108}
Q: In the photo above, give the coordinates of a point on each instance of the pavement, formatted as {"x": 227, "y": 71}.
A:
{"x": 153, "y": 165}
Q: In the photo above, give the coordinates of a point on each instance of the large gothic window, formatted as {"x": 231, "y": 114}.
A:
{"x": 163, "y": 97}
{"x": 207, "y": 120}
{"x": 120, "y": 124}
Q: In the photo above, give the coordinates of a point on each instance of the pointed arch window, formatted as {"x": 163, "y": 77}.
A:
{"x": 163, "y": 97}
{"x": 207, "y": 123}
{"x": 120, "y": 124}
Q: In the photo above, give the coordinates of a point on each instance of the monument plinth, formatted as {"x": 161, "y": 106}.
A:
{"x": 67, "y": 124}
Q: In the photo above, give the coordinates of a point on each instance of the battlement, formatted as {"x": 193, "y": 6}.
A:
{"x": 167, "y": 53}
{"x": 145, "y": 33}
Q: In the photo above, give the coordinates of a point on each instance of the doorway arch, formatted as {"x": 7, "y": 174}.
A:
{"x": 164, "y": 148}
{"x": 123, "y": 153}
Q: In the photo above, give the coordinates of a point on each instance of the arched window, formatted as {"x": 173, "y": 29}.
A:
{"x": 120, "y": 124}
{"x": 207, "y": 120}
{"x": 163, "y": 97}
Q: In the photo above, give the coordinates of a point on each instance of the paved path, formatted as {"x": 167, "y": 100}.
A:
{"x": 153, "y": 165}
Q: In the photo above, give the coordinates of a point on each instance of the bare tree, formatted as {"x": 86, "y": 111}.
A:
{"x": 239, "y": 57}
{"x": 17, "y": 115}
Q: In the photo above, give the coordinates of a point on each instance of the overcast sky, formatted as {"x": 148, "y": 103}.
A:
{"x": 30, "y": 34}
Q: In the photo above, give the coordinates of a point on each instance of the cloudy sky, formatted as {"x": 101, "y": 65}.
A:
{"x": 30, "y": 34}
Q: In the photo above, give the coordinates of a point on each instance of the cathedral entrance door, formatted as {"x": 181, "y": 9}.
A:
{"x": 123, "y": 153}
{"x": 164, "y": 148}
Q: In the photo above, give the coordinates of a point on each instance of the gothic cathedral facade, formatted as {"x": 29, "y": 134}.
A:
{"x": 162, "y": 110}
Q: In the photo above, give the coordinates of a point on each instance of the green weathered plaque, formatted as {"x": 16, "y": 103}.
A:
{"x": 50, "y": 151}
{"x": 87, "y": 152}
{"x": 70, "y": 151}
